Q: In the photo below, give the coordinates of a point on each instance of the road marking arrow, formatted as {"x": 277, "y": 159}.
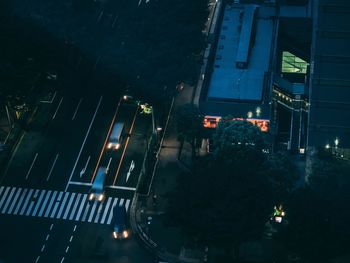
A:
{"x": 131, "y": 168}
{"x": 84, "y": 169}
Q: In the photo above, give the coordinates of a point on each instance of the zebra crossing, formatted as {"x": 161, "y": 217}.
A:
{"x": 57, "y": 205}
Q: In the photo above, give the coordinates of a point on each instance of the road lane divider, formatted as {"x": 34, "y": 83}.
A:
{"x": 76, "y": 110}
{"x": 53, "y": 165}
{"x": 80, "y": 183}
{"x": 121, "y": 187}
{"x": 59, "y": 105}
{"x": 82, "y": 146}
{"x": 126, "y": 146}
{"x": 31, "y": 166}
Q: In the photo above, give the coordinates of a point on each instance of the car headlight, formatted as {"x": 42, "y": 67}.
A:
{"x": 115, "y": 235}
{"x": 125, "y": 234}
{"x": 100, "y": 198}
{"x": 91, "y": 196}
{"x": 117, "y": 146}
{"x": 109, "y": 146}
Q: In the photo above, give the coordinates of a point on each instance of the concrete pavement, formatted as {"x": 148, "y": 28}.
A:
{"x": 147, "y": 212}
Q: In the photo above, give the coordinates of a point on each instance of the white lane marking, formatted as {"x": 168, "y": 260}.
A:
{"x": 98, "y": 20}
{"x": 69, "y": 205}
{"x": 81, "y": 207}
{"x": 80, "y": 183}
{"x": 53, "y": 198}
{"x": 44, "y": 204}
{"x": 59, "y": 104}
{"x": 31, "y": 166}
{"x": 84, "y": 169}
{"x": 42, "y": 248}
{"x": 39, "y": 202}
{"x": 75, "y": 206}
{"x": 51, "y": 227}
{"x": 82, "y": 146}
{"x": 37, "y": 259}
{"x": 62, "y": 260}
{"x": 47, "y": 237}
{"x": 26, "y": 201}
{"x": 14, "y": 201}
{"x": 139, "y": 2}
{"x": 115, "y": 20}
{"x": 67, "y": 249}
{"x": 71, "y": 238}
{"x": 109, "y": 163}
{"x": 53, "y": 165}
{"x": 20, "y": 201}
{"x": 56, "y": 205}
{"x": 92, "y": 211}
{"x": 8, "y": 200}
{"x": 75, "y": 228}
{"x": 3, "y": 198}
{"x": 66, "y": 194}
{"x": 127, "y": 203}
{"x": 121, "y": 187}
{"x": 76, "y": 110}
{"x": 106, "y": 209}
{"x": 13, "y": 155}
{"x": 111, "y": 211}
{"x": 131, "y": 168}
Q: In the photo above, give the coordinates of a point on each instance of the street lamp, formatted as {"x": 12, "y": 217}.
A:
{"x": 336, "y": 142}
{"x": 258, "y": 111}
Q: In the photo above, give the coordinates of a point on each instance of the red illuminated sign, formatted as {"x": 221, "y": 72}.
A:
{"x": 212, "y": 122}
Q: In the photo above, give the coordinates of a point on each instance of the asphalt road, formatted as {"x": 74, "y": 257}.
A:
{"x": 45, "y": 215}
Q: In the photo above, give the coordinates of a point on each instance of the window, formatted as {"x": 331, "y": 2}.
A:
{"x": 293, "y": 64}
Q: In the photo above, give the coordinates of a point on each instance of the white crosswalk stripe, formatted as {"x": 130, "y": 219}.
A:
{"x": 50, "y": 204}
{"x": 42, "y": 194}
{"x": 20, "y": 201}
{"x": 8, "y": 200}
{"x": 14, "y": 201}
{"x": 58, "y": 205}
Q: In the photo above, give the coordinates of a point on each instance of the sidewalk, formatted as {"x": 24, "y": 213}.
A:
{"x": 147, "y": 213}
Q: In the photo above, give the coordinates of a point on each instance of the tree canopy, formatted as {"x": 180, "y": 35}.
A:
{"x": 189, "y": 124}
{"x": 318, "y": 214}
{"x": 226, "y": 199}
{"x": 216, "y": 205}
{"x": 239, "y": 143}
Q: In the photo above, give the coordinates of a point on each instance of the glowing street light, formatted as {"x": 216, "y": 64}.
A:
{"x": 336, "y": 142}
{"x": 250, "y": 114}
{"x": 258, "y": 111}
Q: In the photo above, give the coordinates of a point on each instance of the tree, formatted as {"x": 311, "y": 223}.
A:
{"x": 189, "y": 124}
{"x": 318, "y": 216}
{"x": 282, "y": 172}
{"x": 226, "y": 200}
{"x": 239, "y": 143}
{"x": 318, "y": 227}
{"x": 218, "y": 207}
